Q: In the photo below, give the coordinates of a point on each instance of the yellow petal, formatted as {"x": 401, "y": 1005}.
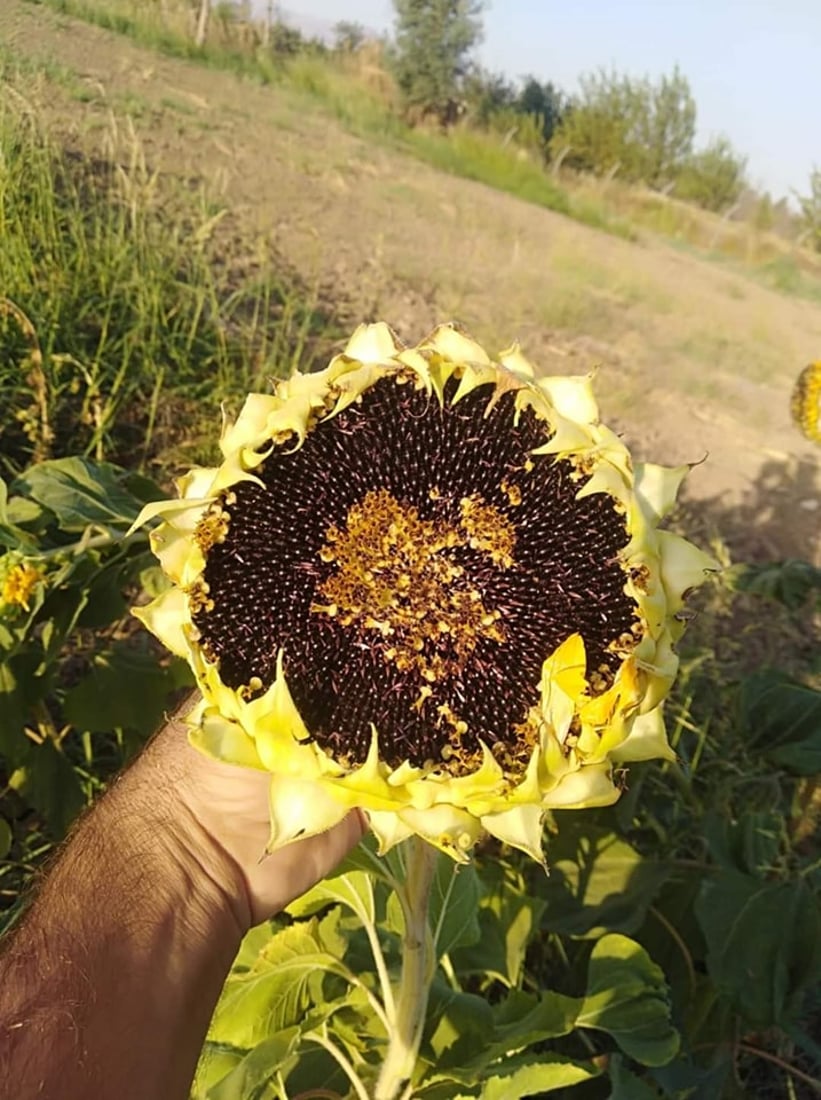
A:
{"x": 275, "y": 723}
{"x": 166, "y": 618}
{"x": 388, "y": 828}
{"x": 450, "y": 343}
{"x": 589, "y": 786}
{"x": 572, "y": 397}
{"x": 300, "y": 808}
{"x": 657, "y": 487}
{"x": 566, "y": 667}
{"x": 452, "y": 831}
{"x": 376, "y": 343}
{"x": 224, "y": 740}
{"x": 683, "y": 566}
{"x": 251, "y": 424}
{"x": 514, "y": 360}
{"x": 520, "y": 827}
{"x": 647, "y": 740}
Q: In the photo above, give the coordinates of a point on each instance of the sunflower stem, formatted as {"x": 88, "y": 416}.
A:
{"x": 418, "y": 966}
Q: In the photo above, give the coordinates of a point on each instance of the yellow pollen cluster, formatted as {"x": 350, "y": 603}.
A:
{"x": 396, "y": 578}
{"x": 512, "y": 492}
{"x": 199, "y": 597}
{"x": 488, "y": 530}
{"x": 20, "y": 583}
{"x": 213, "y": 527}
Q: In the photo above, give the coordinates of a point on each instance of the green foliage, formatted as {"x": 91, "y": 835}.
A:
{"x": 712, "y": 178}
{"x": 536, "y": 108}
{"x": 810, "y": 205}
{"x": 306, "y": 982}
{"x": 793, "y": 583}
{"x": 544, "y": 101}
{"x": 130, "y": 314}
{"x": 474, "y": 155}
{"x": 348, "y": 36}
{"x": 636, "y": 128}
{"x": 433, "y": 43}
{"x": 79, "y": 690}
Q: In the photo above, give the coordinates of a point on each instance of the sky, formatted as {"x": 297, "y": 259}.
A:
{"x": 754, "y": 66}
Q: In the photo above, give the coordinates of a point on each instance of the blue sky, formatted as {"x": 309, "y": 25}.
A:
{"x": 754, "y": 65}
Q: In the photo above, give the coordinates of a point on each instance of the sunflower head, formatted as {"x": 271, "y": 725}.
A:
{"x": 805, "y": 404}
{"x": 429, "y": 585}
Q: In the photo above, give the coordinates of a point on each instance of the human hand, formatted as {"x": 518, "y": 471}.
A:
{"x": 222, "y": 820}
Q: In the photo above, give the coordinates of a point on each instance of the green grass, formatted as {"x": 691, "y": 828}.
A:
{"x": 124, "y": 319}
{"x": 786, "y": 275}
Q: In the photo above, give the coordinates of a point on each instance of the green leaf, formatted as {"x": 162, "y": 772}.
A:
{"x": 257, "y": 1067}
{"x": 364, "y": 858}
{"x": 454, "y": 904}
{"x": 22, "y": 512}
{"x": 20, "y": 690}
{"x": 789, "y": 582}
{"x": 626, "y": 1085}
{"x": 6, "y": 838}
{"x": 65, "y": 598}
{"x": 544, "y": 1074}
{"x": 764, "y": 941}
{"x": 284, "y": 981}
{"x": 628, "y": 998}
{"x": 12, "y": 513}
{"x": 215, "y": 1063}
{"x": 124, "y": 688}
{"x": 445, "y": 1088}
{"x": 508, "y": 917}
{"x": 454, "y": 1016}
{"x": 48, "y": 783}
{"x": 314, "y": 1070}
{"x": 684, "y": 1079}
{"x": 751, "y": 844}
{"x": 783, "y": 720}
{"x": 597, "y": 881}
{"x": 351, "y": 888}
{"x": 519, "y": 1021}
{"x": 106, "y": 603}
{"x": 80, "y": 492}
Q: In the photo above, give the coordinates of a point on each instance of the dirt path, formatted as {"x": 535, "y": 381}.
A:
{"x": 694, "y": 359}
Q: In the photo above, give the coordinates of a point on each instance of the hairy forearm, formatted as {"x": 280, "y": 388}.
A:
{"x": 108, "y": 985}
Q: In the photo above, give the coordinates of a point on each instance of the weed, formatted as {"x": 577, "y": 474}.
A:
{"x": 124, "y": 283}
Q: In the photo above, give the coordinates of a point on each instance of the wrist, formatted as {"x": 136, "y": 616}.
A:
{"x": 162, "y": 789}
{"x": 132, "y": 933}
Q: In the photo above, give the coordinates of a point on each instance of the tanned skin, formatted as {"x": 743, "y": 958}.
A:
{"x": 109, "y": 982}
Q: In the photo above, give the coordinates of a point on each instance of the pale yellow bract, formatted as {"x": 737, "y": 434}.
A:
{"x": 310, "y": 791}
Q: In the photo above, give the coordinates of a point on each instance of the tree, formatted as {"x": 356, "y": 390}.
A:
{"x": 487, "y": 94}
{"x": 714, "y": 177}
{"x": 810, "y": 207}
{"x": 663, "y": 127}
{"x": 348, "y": 36}
{"x": 595, "y": 128}
{"x": 433, "y": 43}
{"x": 643, "y": 131}
{"x": 544, "y": 101}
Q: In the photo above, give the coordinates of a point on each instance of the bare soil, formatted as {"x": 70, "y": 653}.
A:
{"x": 695, "y": 359}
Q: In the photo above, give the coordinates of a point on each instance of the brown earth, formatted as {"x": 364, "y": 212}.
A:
{"x": 695, "y": 358}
